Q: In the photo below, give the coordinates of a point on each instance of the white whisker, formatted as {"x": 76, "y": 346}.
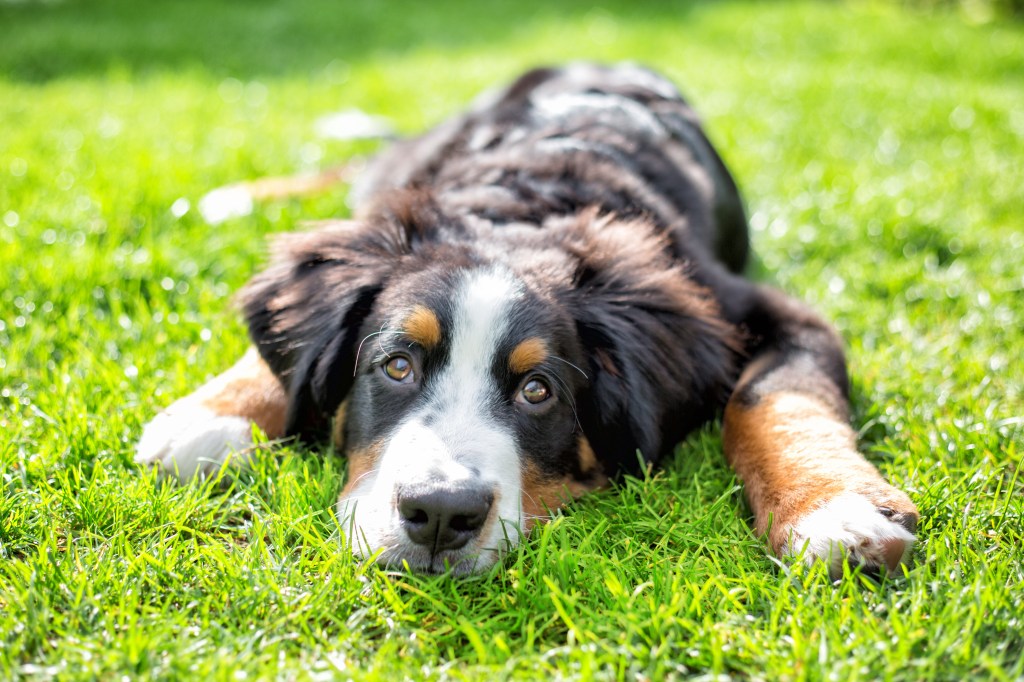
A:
{"x": 359, "y": 350}
{"x": 570, "y": 399}
{"x": 380, "y": 345}
{"x": 555, "y": 357}
{"x": 356, "y": 481}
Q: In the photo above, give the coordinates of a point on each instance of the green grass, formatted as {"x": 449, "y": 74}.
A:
{"x": 881, "y": 155}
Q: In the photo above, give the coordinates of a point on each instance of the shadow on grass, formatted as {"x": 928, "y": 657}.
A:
{"x": 40, "y": 41}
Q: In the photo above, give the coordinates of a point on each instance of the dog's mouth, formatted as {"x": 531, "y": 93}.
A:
{"x": 446, "y": 562}
{"x": 453, "y": 563}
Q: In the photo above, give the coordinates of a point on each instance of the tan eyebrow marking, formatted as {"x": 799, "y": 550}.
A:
{"x": 527, "y": 355}
{"x": 423, "y": 327}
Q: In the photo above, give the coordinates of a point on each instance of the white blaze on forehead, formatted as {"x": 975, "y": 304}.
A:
{"x": 484, "y": 302}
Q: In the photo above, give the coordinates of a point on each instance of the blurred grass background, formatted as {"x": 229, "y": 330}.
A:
{"x": 879, "y": 147}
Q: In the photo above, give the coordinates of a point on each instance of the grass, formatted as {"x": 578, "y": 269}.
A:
{"x": 880, "y": 153}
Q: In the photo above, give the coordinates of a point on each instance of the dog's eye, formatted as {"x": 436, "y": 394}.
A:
{"x": 399, "y": 368}
{"x": 534, "y": 391}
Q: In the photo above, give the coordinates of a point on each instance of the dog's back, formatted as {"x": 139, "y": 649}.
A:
{"x": 556, "y": 141}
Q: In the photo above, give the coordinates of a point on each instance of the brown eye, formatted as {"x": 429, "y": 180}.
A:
{"x": 535, "y": 391}
{"x": 399, "y": 368}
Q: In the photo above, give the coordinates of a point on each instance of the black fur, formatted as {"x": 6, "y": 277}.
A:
{"x": 597, "y": 188}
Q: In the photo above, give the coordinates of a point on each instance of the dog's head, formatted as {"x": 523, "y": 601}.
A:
{"x": 479, "y": 377}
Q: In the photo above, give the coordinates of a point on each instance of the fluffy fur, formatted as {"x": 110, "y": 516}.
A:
{"x": 533, "y": 298}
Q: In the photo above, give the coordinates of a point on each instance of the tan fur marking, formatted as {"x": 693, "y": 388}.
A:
{"x": 360, "y": 463}
{"x": 250, "y": 390}
{"x": 338, "y": 427}
{"x": 280, "y": 187}
{"x": 527, "y": 355}
{"x": 588, "y": 460}
{"x": 607, "y": 363}
{"x": 423, "y": 327}
{"x": 542, "y": 494}
{"x": 793, "y": 454}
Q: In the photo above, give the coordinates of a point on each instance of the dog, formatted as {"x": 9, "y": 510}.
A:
{"x": 533, "y": 298}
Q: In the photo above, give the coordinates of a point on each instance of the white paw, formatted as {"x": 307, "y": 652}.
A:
{"x": 850, "y": 527}
{"x": 188, "y": 440}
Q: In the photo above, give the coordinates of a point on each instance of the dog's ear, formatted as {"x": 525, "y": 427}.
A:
{"x": 306, "y": 310}
{"x": 662, "y": 360}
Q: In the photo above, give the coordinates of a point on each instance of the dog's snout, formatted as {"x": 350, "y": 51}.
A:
{"x": 442, "y": 517}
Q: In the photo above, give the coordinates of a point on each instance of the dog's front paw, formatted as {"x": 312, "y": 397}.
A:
{"x": 186, "y": 440}
{"x": 877, "y": 534}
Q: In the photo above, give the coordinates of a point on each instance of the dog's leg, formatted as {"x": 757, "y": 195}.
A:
{"x": 238, "y": 199}
{"x": 197, "y": 433}
{"x": 787, "y": 434}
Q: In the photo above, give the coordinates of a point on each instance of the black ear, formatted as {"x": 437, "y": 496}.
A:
{"x": 306, "y": 309}
{"x": 662, "y": 359}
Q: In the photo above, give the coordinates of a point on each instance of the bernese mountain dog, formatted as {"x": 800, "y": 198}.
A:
{"x": 531, "y": 299}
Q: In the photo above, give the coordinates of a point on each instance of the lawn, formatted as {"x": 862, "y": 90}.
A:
{"x": 881, "y": 153}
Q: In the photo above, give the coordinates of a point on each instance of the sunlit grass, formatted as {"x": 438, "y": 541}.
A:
{"x": 880, "y": 153}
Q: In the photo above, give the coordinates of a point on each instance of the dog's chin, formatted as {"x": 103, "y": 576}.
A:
{"x": 449, "y": 562}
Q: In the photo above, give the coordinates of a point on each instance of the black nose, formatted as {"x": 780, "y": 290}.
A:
{"x": 444, "y": 517}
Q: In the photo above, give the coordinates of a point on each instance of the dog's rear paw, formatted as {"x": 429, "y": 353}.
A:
{"x": 188, "y": 440}
{"x": 852, "y": 528}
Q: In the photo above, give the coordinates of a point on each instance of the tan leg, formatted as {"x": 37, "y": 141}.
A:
{"x": 197, "y": 433}
{"x": 238, "y": 199}
{"x": 787, "y": 434}
{"x": 811, "y": 490}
